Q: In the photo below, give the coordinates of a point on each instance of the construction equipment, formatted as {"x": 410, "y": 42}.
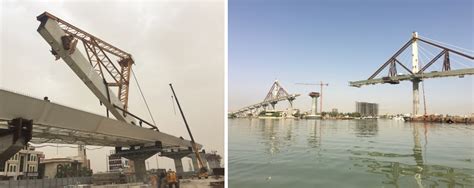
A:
{"x": 202, "y": 170}
{"x": 104, "y": 68}
{"x": 321, "y": 96}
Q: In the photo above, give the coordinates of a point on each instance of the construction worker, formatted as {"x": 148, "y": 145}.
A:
{"x": 161, "y": 179}
{"x": 171, "y": 179}
{"x": 153, "y": 181}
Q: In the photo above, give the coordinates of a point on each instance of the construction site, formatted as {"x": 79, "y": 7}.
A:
{"x": 107, "y": 71}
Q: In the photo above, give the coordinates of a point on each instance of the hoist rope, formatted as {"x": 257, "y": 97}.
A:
{"x": 143, "y": 97}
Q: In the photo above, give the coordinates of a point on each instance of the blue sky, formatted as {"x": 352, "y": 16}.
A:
{"x": 339, "y": 41}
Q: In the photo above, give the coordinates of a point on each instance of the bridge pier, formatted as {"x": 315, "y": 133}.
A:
{"x": 416, "y": 97}
{"x": 177, "y": 157}
{"x": 14, "y": 138}
{"x": 290, "y": 108}
{"x": 138, "y": 154}
{"x": 196, "y": 163}
{"x": 273, "y": 104}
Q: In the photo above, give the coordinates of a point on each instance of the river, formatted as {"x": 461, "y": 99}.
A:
{"x": 349, "y": 153}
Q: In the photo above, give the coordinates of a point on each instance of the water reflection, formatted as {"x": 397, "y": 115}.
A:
{"x": 314, "y": 133}
{"x": 270, "y": 138}
{"x": 424, "y": 175}
{"x": 366, "y": 128}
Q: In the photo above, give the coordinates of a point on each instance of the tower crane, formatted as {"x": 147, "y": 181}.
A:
{"x": 321, "y": 84}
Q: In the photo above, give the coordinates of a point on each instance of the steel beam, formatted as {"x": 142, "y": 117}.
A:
{"x": 434, "y": 74}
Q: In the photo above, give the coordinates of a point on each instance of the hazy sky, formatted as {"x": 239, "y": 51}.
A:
{"x": 181, "y": 42}
{"x": 340, "y": 41}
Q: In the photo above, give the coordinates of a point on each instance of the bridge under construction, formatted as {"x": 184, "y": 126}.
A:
{"x": 276, "y": 94}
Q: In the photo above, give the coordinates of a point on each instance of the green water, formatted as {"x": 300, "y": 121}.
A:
{"x": 349, "y": 153}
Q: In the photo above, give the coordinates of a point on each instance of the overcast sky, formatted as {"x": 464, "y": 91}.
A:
{"x": 179, "y": 42}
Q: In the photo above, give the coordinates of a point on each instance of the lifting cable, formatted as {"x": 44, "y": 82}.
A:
{"x": 143, "y": 97}
{"x": 459, "y": 48}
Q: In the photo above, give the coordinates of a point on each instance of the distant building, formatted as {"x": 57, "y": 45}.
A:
{"x": 367, "y": 109}
{"x": 334, "y": 110}
{"x": 23, "y": 165}
{"x": 119, "y": 164}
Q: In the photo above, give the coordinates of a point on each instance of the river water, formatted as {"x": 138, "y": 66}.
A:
{"x": 349, "y": 153}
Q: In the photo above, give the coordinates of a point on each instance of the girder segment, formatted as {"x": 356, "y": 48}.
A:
{"x": 54, "y": 123}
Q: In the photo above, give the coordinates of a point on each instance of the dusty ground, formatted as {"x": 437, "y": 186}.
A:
{"x": 184, "y": 183}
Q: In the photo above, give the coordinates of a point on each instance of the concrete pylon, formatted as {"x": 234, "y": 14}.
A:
{"x": 415, "y": 69}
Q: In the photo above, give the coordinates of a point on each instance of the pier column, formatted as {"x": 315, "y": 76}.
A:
{"x": 178, "y": 165}
{"x": 273, "y": 105}
{"x": 290, "y": 108}
{"x": 314, "y": 96}
{"x": 140, "y": 167}
{"x": 195, "y": 163}
{"x": 416, "y": 97}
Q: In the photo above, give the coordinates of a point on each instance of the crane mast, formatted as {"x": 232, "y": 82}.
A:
{"x": 203, "y": 169}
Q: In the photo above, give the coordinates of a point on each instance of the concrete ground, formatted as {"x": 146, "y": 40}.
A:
{"x": 199, "y": 183}
{"x": 184, "y": 183}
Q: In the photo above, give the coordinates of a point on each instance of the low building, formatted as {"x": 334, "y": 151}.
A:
{"x": 74, "y": 166}
{"x": 53, "y": 166}
{"x": 22, "y": 165}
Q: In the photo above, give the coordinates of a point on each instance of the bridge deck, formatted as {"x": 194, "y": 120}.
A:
{"x": 460, "y": 72}
{"x": 54, "y": 123}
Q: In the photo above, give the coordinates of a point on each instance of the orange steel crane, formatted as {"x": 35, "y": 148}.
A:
{"x": 321, "y": 84}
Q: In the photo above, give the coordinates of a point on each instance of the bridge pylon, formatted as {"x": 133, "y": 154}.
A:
{"x": 417, "y": 74}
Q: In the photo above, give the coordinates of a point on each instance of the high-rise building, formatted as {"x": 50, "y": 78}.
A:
{"x": 22, "y": 165}
{"x": 367, "y": 109}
